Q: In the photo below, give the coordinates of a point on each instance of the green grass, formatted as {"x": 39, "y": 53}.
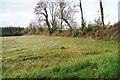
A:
{"x": 58, "y": 57}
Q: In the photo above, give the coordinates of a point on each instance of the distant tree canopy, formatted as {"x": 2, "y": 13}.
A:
{"x": 11, "y": 31}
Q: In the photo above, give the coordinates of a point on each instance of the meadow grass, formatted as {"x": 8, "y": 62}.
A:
{"x": 58, "y": 57}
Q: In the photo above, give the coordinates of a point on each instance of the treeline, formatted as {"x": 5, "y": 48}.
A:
{"x": 91, "y": 31}
{"x": 11, "y": 31}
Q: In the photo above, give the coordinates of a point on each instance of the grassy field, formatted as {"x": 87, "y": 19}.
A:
{"x": 58, "y": 57}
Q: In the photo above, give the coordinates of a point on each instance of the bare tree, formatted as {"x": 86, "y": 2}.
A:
{"x": 60, "y": 10}
{"x": 102, "y": 12}
{"x": 41, "y": 9}
{"x": 53, "y": 7}
{"x": 66, "y": 13}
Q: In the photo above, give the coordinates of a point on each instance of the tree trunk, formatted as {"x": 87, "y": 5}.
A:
{"x": 82, "y": 19}
{"x": 47, "y": 22}
{"x": 68, "y": 24}
{"x": 52, "y": 9}
{"x": 61, "y": 13}
{"x": 102, "y": 13}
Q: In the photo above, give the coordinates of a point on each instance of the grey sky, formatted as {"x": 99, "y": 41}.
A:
{"x": 119, "y": 11}
{"x": 20, "y": 13}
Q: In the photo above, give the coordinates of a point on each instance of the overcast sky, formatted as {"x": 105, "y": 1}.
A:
{"x": 21, "y": 12}
{"x": 119, "y": 11}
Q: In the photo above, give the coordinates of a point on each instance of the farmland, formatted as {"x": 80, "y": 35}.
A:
{"x": 58, "y": 57}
